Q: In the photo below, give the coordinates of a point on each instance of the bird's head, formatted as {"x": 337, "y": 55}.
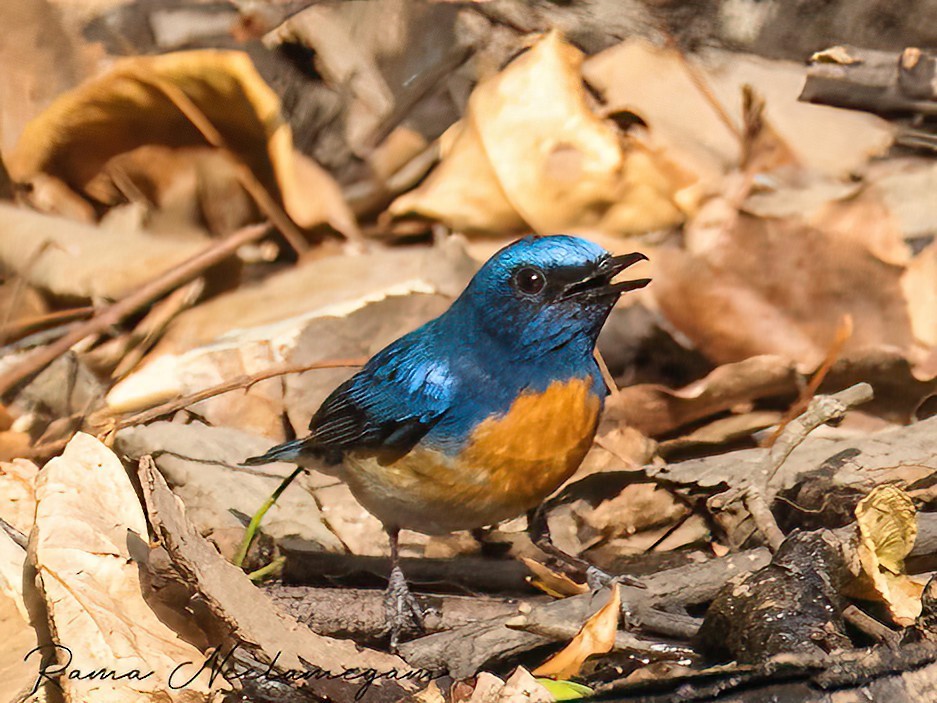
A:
{"x": 541, "y": 293}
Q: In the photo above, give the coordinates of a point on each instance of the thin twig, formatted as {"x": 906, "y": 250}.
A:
{"x": 157, "y": 287}
{"x": 822, "y": 409}
{"x": 843, "y": 333}
{"x": 18, "y": 537}
{"x": 246, "y": 381}
{"x": 267, "y": 204}
{"x": 613, "y": 389}
{"x": 28, "y": 324}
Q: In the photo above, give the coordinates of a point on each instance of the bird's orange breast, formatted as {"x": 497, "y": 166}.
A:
{"x": 539, "y": 443}
{"x": 509, "y": 465}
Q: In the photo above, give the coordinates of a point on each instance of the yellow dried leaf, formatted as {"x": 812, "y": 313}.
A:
{"x": 887, "y": 530}
{"x": 530, "y": 154}
{"x": 596, "y": 636}
{"x": 551, "y": 582}
{"x": 126, "y": 108}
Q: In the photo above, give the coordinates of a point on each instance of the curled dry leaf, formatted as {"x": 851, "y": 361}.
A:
{"x": 530, "y": 154}
{"x": 887, "y": 530}
{"x": 87, "y": 515}
{"x": 551, "y": 582}
{"x": 656, "y": 410}
{"x": 521, "y": 687}
{"x": 596, "y": 636}
{"x": 126, "y": 108}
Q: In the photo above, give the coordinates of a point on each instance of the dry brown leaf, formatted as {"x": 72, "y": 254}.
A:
{"x": 552, "y": 582}
{"x": 87, "y": 514}
{"x": 48, "y": 59}
{"x": 654, "y": 82}
{"x": 746, "y": 286}
{"x": 639, "y": 507}
{"x": 656, "y": 410}
{"x": 596, "y": 636}
{"x": 530, "y": 154}
{"x": 887, "y": 529}
{"x": 75, "y": 138}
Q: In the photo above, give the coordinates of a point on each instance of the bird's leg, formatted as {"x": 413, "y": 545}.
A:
{"x": 401, "y": 610}
{"x": 539, "y": 532}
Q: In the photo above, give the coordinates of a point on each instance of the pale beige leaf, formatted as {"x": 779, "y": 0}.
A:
{"x": 656, "y": 83}
{"x": 18, "y": 493}
{"x": 521, "y": 687}
{"x": 596, "y": 636}
{"x": 87, "y": 514}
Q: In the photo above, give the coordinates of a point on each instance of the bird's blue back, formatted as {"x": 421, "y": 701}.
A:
{"x": 436, "y": 384}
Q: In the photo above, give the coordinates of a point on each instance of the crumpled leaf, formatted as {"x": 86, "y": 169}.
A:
{"x": 887, "y": 529}
{"x": 529, "y": 154}
{"x": 521, "y": 687}
{"x": 596, "y": 636}
{"x": 74, "y": 139}
{"x": 87, "y": 514}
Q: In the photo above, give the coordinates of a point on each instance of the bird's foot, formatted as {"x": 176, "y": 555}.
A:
{"x": 402, "y": 612}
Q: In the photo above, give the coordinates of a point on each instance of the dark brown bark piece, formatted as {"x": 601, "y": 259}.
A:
{"x": 791, "y": 605}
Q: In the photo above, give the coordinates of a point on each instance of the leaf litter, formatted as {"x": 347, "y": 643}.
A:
{"x": 441, "y": 132}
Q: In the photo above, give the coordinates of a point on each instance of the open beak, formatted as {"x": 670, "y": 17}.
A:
{"x": 598, "y": 284}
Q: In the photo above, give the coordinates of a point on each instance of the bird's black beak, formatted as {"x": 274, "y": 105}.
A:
{"x": 598, "y": 283}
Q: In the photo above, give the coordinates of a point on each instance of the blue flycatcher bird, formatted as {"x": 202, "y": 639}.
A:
{"x": 479, "y": 415}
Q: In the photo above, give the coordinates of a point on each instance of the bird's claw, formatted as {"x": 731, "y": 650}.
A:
{"x": 402, "y": 612}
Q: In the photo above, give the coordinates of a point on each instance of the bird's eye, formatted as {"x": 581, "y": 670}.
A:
{"x": 529, "y": 280}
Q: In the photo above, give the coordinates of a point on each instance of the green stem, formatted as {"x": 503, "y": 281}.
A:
{"x": 264, "y": 571}
{"x": 254, "y": 524}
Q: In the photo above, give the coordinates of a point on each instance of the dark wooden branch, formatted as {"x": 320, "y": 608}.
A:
{"x": 884, "y": 82}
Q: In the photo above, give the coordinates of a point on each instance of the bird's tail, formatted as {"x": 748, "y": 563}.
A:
{"x": 294, "y": 451}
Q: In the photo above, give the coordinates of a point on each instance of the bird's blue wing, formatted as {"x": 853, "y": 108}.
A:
{"x": 389, "y": 405}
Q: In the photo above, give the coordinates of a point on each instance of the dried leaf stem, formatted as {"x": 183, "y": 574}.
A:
{"x": 267, "y": 204}
{"x": 246, "y": 381}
